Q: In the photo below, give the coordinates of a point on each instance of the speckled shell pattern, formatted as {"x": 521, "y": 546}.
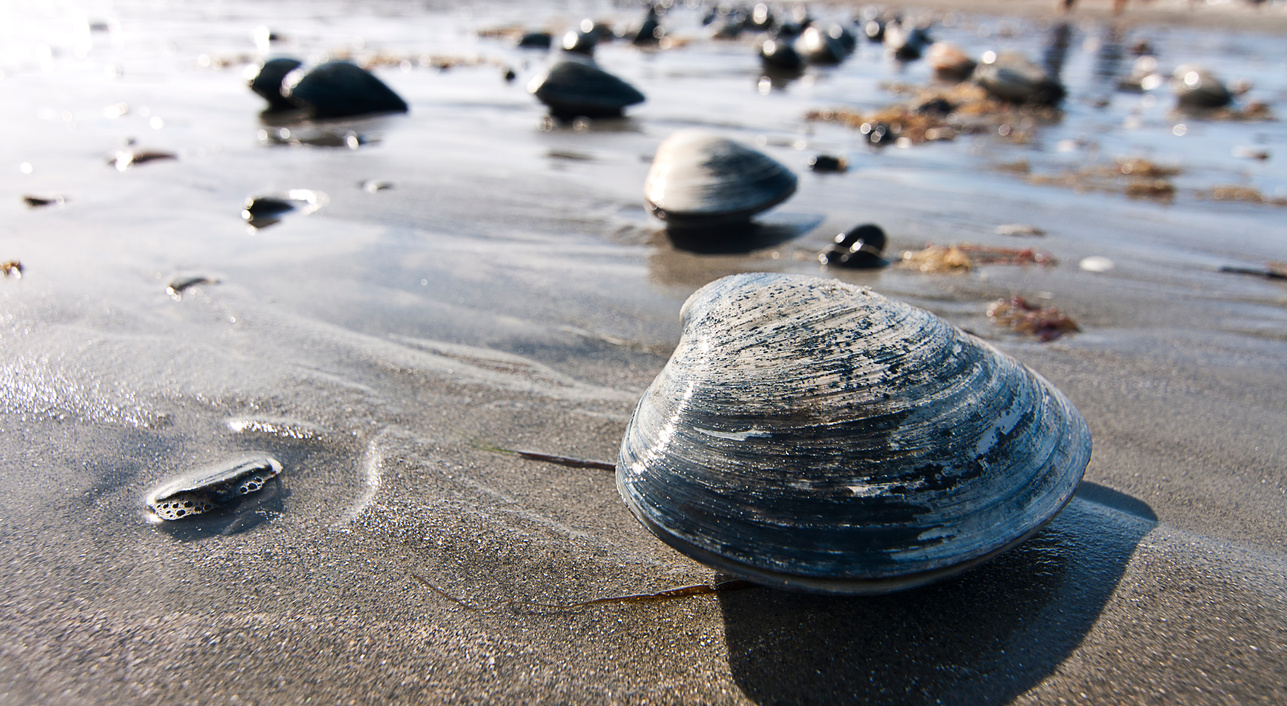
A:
{"x": 812, "y": 434}
{"x": 699, "y": 178}
{"x": 211, "y": 488}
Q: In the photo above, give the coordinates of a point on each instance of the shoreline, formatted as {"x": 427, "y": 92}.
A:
{"x": 1231, "y": 16}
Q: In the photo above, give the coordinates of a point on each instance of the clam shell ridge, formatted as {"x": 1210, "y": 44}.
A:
{"x": 815, "y": 435}
{"x": 698, "y": 178}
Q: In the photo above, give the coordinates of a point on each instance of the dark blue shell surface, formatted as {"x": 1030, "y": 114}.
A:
{"x": 815, "y": 435}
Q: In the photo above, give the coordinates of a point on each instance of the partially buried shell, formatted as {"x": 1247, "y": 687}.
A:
{"x": 577, "y": 88}
{"x": 814, "y": 435}
{"x": 699, "y": 179}
{"x": 212, "y": 489}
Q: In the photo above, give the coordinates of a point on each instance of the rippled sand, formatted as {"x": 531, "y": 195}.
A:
{"x": 502, "y": 286}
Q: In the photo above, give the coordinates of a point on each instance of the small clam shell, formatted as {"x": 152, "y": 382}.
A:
{"x": 818, "y": 47}
{"x": 780, "y": 55}
{"x": 1195, "y": 87}
{"x": 949, "y": 61}
{"x": 578, "y": 88}
{"x": 535, "y": 40}
{"x": 811, "y": 434}
{"x": 267, "y": 82}
{"x": 841, "y": 33}
{"x": 905, "y": 41}
{"x": 212, "y": 489}
{"x": 1011, "y": 77}
{"x": 580, "y": 42}
{"x": 700, "y": 179}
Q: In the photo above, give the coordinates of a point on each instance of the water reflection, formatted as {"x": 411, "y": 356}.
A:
{"x": 985, "y": 636}
{"x": 684, "y": 256}
{"x": 736, "y": 238}
{"x": 1108, "y": 57}
{"x": 1057, "y": 50}
{"x": 777, "y": 79}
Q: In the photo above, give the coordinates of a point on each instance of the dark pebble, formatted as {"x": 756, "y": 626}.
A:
{"x": 828, "y": 163}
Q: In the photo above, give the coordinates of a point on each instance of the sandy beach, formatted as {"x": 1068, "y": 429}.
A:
{"x": 473, "y": 277}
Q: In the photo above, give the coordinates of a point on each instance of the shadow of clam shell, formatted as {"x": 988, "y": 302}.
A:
{"x": 985, "y": 636}
{"x": 740, "y": 238}
{"x": 684, "y": 256}
{"x": 730, "y": 239}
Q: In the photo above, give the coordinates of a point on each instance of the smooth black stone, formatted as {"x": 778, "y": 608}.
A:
{"x": 859, "y": 247}
{"x": 778, "y": 54}
{"x": 339, "y": 89}
{"x": 536, "y": 40}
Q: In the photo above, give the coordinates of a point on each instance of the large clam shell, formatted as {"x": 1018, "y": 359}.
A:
{"x": 699, "y": 179}
{"x": 812, "y": 434}
{"x": 578, "y": 88}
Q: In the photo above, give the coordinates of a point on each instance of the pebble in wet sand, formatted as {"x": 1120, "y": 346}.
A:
{"x": 1095, "y": 263}
{"x": 828, "y": 163}
{"x": 179, "y": 285}
{"x": 859, "y": 247}
{"x": 39, "y": 201}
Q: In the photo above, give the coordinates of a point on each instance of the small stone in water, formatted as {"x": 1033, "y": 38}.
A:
{"x": 128, "y": 158}
{"x": 179, "y": 285}
{"x": 1020, "y": 230}
{"x": 1095, "y": 263}
{"x": 11, "y": 267}
{"x": 1251, "y": 153}
{"x": 535, "y": 40}
{"x": 265, "y": 210}
{"x": 373, "y": 185}
{"x": 828, "y": 163}
{"x": 212, "y": 489}
{"x": 38, "y": 201}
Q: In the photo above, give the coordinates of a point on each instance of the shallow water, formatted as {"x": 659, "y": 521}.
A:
{"x": 509, "y": 288}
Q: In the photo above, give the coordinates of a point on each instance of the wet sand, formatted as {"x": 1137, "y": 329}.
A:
{"x": 509, "y": 290}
